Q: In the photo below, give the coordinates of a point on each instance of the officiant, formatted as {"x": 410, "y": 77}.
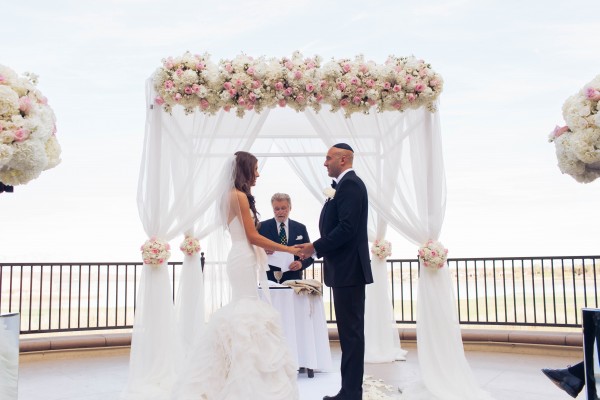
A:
{"x": 286, "y": 231}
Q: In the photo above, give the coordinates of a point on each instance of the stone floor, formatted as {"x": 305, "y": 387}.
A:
{"x": 508, "y": 372}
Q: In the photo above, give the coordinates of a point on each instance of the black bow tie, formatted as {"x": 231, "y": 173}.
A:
{"x": 333, "y": 184}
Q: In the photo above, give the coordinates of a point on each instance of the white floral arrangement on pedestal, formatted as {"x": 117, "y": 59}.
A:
{"x": 155, "y": 251}
{"x": 28, "y": 143}
{"x": 578, "y": 143}
{"x": 433, "y": 254}
{"x": 190, "y": 245}
{"x": 245, "y": 83}
{"x": 381, "y": 249}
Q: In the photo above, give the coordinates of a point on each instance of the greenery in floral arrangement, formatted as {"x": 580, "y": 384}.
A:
{"x": 578, "y": 142}
{"x": 28, "y": 142}
{"x": 245, "y": 83}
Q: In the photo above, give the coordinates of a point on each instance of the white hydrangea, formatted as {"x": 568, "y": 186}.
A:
{"x": 9, "y": 100}
{"x": 6, "y": 153}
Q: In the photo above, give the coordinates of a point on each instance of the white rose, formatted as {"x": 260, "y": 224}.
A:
{"x": 329, "y": 192}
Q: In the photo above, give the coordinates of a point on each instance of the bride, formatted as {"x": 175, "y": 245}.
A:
{"x": 242, "y": 353}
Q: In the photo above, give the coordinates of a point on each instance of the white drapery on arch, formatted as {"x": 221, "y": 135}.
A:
{"x": 398, "y": 155}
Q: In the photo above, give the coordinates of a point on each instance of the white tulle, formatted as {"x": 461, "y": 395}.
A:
{"x": 242, "y": 353}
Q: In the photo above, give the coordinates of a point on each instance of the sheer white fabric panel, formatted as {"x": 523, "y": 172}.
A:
{"x": 181, "y": 179}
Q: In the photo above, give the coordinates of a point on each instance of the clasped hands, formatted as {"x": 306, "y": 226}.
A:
{"x": 304, "y": 250}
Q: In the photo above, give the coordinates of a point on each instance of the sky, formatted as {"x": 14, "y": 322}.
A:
{"x": 508, "y": 66}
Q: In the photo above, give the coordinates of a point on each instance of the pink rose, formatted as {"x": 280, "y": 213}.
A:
{"x": 188, "y": 90}
{"x": 433, "y": 82}
{"x": 282, "y": 103}
{"x": 346, "y": 67}
{"x": 356, "y": 100}
{"x": 159, "y": 100}
{"x": 559, "y": 131}
{"x": 2, "y": 79}
{"x": 251, "y": 96}
{"x": 21, "y": 134}
{"x": 255, "y": 84}
{"x": 387, "y": 85}
{"x": 363, "y": 68}
{"x": 371, "y": 102}
{"x": 300, "y": 99}
{"x": 354, "y": 80}
{"x": 195, "y": 88}
{"x": 289, "y": 65}
{"x": 593, "y": 94}
{"x": 228, "y": 67}
{"x": 25, "y": 104}
{"x": 200, "y": 66}
{"x": 298, "y": 75}
{"x": 310, "y": 87}
{"x": 227, "y": 107}
{"x": 179, "y": 72}
{"x": 250, "y": 71}
{"x": 204, "y": 104}
{"x": 288, "y": 91}
{"x": 411, "y": 97}
{"x": 419, "y": 87}
{"x": 397, "y": 105}
{"x": 360, "y": 91}
{"x": 344, "y": 102}
{"x": 169, "y": 64}
{"x": 310, "y": 65}
{"x": 177, "y": 96}
{"x": 319, "y": 98}
{"x": 232, "y": 92}
{"x": 169, "y": 84}
{"x": 397, "y": 88}
{"x": 324, "y": 84}
{"x": 241, "y": 101}
{"x": 238, "y": 82}
{"x": 227, "y": 85}
{"x": 278, "y": 86}
{"x": 408, "y": 78}
{"x": 370, "y": 83}
{"x": 341, "y": 86}
{"x": 249, "y": 106}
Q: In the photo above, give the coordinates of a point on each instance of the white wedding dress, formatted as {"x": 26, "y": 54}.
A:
{"x": 241, "y": 353}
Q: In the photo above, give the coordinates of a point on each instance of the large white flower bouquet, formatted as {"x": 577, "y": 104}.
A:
{"x": 246, "y": 83}
{"x": 381, "y": 249}
{"x": 578, "y": 143}
{"x": 433, "y": 254}
{"x": 28, "y": 143}
{"x": 155, "y": 251}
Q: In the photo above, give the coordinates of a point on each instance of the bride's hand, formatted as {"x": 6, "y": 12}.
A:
{"x": 295, "y": 250}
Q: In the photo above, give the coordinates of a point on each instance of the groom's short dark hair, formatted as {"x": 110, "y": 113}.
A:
{"x": 344, "y": 146}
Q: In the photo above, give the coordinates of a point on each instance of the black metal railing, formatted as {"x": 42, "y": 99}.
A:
{"x": 517, "y": 291}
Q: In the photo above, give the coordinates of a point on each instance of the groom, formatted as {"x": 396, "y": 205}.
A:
{"x": 346, "y": 264}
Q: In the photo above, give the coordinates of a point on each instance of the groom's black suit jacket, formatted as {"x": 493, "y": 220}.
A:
{"x": 297, "y": 235}
{"x": 344, "y": 241}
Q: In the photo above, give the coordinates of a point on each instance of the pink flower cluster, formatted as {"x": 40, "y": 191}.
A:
{"x": 433, "y": 254}
{"x": 155, "y": 251}
{"x": 381, "y": 249}
{"x": 190, "y": 245}
{"x": 297, "y": 84}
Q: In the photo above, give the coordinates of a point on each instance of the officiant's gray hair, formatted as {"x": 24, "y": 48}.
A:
{"x": 281, "y": 197}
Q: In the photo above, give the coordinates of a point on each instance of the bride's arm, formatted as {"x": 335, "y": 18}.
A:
{"x": 252, "y": 234}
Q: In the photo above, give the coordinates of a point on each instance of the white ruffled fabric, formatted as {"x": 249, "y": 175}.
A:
{"x": 241, "y": 354}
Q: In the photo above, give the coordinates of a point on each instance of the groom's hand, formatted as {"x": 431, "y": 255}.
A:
{"x": 306, "y": 249}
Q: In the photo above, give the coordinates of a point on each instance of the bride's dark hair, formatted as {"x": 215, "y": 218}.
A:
{"x": 245, "y": 165}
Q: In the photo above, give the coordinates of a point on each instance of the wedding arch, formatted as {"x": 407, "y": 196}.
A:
{"x": 199, "y": 113}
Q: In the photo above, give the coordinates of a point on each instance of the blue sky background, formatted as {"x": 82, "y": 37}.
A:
{"x": 508, "y": 67}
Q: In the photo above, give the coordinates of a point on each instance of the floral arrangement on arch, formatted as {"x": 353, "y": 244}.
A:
{"x": 28, "y": 142}
{"x": 155, "y": 251}
{"x": 245, "y": 83}
{"x": 190, "y": 245}
{"x": 577, "y": 143}
{"x": 433, "y": 254}
{"x": 381, "y": 249}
